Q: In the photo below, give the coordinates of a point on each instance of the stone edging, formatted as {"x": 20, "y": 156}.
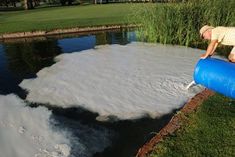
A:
{"x": 64, "y": 31}
{"x": 174, "y": 123}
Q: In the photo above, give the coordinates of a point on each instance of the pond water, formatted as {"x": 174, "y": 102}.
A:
{"x": 102, "y": 100}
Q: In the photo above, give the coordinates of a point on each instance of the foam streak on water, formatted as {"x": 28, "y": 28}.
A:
{"x": 31, "y": 132}
{"x": 25, "y": 132}
{"x": 189, "y": 85}
{"x": 123, "y": 81}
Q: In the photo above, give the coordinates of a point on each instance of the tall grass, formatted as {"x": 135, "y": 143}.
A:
{"x": 179, "y": 23}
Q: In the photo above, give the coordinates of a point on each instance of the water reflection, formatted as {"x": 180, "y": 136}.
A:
{"x": 88, "y": 42}
{"x": 23, "y": 58}
{"x": 27, "y": 58}
{"x": 77, "y": 44}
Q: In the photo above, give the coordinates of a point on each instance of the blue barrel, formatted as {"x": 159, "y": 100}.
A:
{"x": 217, "y": 75}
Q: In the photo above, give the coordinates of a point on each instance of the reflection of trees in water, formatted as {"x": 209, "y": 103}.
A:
{"x": 26, "y": 56}
{"x": 120, "y": 37}
{"x": 29, "y": 57}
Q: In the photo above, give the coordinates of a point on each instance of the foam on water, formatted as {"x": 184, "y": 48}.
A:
{"x": 30, "y": 132}
{"x": 25, "y": 132}
{"x": 126, "y": 82}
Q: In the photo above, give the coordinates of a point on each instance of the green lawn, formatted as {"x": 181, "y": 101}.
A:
{"x": 209, "y": 132}
{"x": 63, "y": 17}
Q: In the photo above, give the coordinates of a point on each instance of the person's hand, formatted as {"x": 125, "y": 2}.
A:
{"x": 204, "y": 56}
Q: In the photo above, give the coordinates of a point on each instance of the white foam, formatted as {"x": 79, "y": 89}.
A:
{"x": 124, "y": 81}
{"x": 25, "y": 132}
{"x": 31, "y": 132}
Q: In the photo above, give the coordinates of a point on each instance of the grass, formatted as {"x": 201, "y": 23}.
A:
{"x": 179, "y": 23}
{"x": 208, "y": 132}
{"x": 63, "y": 17}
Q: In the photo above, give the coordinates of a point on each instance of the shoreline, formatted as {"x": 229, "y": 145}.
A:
{"x": 174, "y": 124}
{"x": 90, "y": 29}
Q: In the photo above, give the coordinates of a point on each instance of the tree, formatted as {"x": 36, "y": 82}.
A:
{"x": 8, "y": 3}
{"x": 28, "y": 4}
{"x": 64, "y": 2}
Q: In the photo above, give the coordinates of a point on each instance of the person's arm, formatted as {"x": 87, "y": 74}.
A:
{"x": 210, "y": 49}
{"x": 216, "y": 44}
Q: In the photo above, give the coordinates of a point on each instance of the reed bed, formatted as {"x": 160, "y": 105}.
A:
{"x": 179, "y": 23}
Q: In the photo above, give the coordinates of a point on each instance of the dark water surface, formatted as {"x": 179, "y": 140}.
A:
{"x": 23, "y": 58}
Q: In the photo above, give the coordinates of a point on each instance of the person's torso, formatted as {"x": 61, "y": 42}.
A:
{"x": 224, "y": 35}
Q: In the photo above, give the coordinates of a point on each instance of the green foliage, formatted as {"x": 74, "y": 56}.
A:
{"x": 179, "y": 23}
{"x": 208, "y": 132}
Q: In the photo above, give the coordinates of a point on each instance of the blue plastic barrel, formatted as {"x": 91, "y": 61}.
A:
{"x": 217, "y": 75}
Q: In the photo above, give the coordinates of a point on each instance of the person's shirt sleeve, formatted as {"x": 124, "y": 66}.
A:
{"x": 217, "y": 34}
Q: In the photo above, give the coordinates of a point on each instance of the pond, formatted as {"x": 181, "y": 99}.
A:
{"x": 106, "y": 94}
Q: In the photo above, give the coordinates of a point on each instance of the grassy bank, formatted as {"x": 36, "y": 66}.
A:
{"x": 179, "y": 23}
{"x": 63, "y": 17}
{"x": 211, "y": 130}
{"x": 208, "y": 132}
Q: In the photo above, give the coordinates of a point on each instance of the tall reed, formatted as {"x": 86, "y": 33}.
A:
{"x": 179, "y": 23}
